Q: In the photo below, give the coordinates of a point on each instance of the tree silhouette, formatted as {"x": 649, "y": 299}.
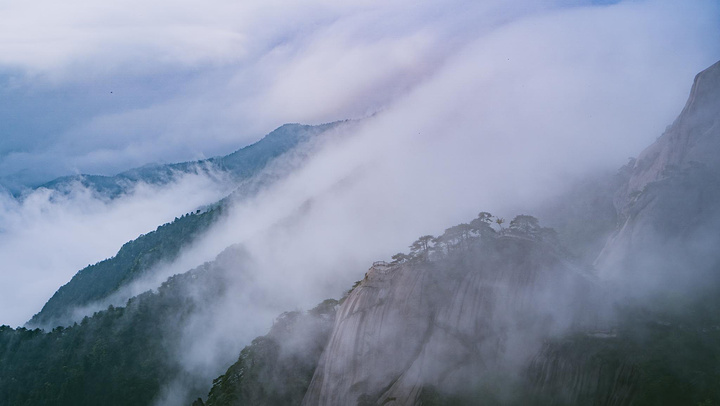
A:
{"x": 525, "y": 224}
{"x": 399, "y": 258}
{"x": 421, "y": 246}
{"x": 481, "y": 225}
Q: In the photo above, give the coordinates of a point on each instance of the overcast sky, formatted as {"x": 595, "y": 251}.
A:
{"x": 523, "y": 92}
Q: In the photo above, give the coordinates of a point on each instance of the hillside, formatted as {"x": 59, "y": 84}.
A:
{"x": 488, "y": 312}
{"x": 137, "y": 257}
{"x": 498, "y": 316}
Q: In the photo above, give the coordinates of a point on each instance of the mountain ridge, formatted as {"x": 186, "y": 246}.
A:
{"x": 238, "y": 164}
{"x": 135, "y": 258}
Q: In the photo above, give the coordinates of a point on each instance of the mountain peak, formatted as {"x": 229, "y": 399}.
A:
{"x": 694, "y": 137}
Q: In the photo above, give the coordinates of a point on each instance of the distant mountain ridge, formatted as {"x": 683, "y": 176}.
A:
{"x": 237, "y": 166}
{"x": 137, "y": 257}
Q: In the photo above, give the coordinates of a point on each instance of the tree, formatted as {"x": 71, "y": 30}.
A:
{"x": 525, "y": 224}
{"x": 399, "y": 258}
{"x": 421, "y": 246}
{"x": 457, "y": 235}
{"x": 484, "y": 217}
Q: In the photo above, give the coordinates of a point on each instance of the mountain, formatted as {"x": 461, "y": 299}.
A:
{"x": 137, "y": 257}
{"x": 237, "y": 166}
{"x": 668, "y": 208}
{"x": 276, "y": 369}
{"x": 508, "y": 316}
{"x": 119, "y": 356}
{"x": 485, "y": 313}
{"x": 458, "y": 317}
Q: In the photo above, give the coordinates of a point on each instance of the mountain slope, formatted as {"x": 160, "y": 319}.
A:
{"x": 504, "y": 317}
{"x": 119, "y": 356}
{"x": 276, "y": 369}
{"x": 139, "y": 256}
{"x": 482, "y": 314}
{"x": 468, "y": 312}
{"x": 669, "y": 209}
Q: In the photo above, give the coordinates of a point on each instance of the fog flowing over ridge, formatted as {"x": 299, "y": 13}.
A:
{"x": 493, "y": 108}
{"x": 509, "y": 97}
{"x": 506, "y": 314}
{"x": 49, "y": 235}
{"x": 119, "y": 86}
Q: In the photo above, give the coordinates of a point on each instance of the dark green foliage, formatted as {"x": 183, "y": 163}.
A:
{"x": 461, "y": 238}
{"x": 678, "y": 356}
{"x": 120, "y": 356}
{"x": 653, "y": 358}
{"x": 276, "y": 369}
{"x": 97, "y": 281}
{"x": 431, "y": 396}
{"x": 421, "y": 247}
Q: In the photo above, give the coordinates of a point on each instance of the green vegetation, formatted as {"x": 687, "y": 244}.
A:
{"x": 136, "y": 257}
{"x": 648, "y": 362}
{"x": 120, "y": 356}
{"x": 124, "y": 355}
{"x": 462, "y": 236}
{"x": 276, "y": 369}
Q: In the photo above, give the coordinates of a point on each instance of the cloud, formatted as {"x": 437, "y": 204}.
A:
{"x": 48, "y": 236}
{"x": 468, "y": 107}
{"x": 191, "y": 81}
{"x": 507, "y": 119}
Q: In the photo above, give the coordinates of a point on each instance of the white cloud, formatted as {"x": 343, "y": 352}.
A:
{"x": 481, "y": 107}
{"x": 47, "y": 237}
{"x": 503, "y": 122}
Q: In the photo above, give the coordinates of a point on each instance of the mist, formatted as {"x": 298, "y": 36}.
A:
{"x": 509, "y": 120}
{"x": 460, "y": 107}
{"x": 49, "y": 235}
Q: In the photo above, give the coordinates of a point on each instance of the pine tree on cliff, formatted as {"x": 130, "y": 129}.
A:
{"x": 421, "y": 247}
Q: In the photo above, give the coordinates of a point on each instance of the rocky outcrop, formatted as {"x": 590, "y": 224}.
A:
{"x": 670, "y": 204}
{"x": 447, "y": 323}
{"x": 511, "y": 305}
{"x": 275, "y": 370}
{"x": 571, "y": 372}
{"x": 693, "y": 137}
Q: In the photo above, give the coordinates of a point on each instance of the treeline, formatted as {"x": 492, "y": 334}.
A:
{"x": 276, "y": 369}
{"x": 485, "y": 226}
{"x": 121, "y": 356}
{"x": 97, "y": 281}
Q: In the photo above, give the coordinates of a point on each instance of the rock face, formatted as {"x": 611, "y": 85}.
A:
{"x": 447, "y": 323}
{"x": 573, "y": 373}
{"x": 693, "y": 137}
{"x": 276, "y": 369}
{"x": 670, "y": 204}
{"x": 512, "y": 306}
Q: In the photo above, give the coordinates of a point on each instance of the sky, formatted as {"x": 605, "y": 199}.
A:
{"x": 468, "y": 106}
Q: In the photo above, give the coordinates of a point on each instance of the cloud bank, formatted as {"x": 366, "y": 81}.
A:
{"x": 469, "y": 106}
{"x": 49, "y": 236}
{"x": 507, "y": 119}
{"x": 100, "y": 89}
